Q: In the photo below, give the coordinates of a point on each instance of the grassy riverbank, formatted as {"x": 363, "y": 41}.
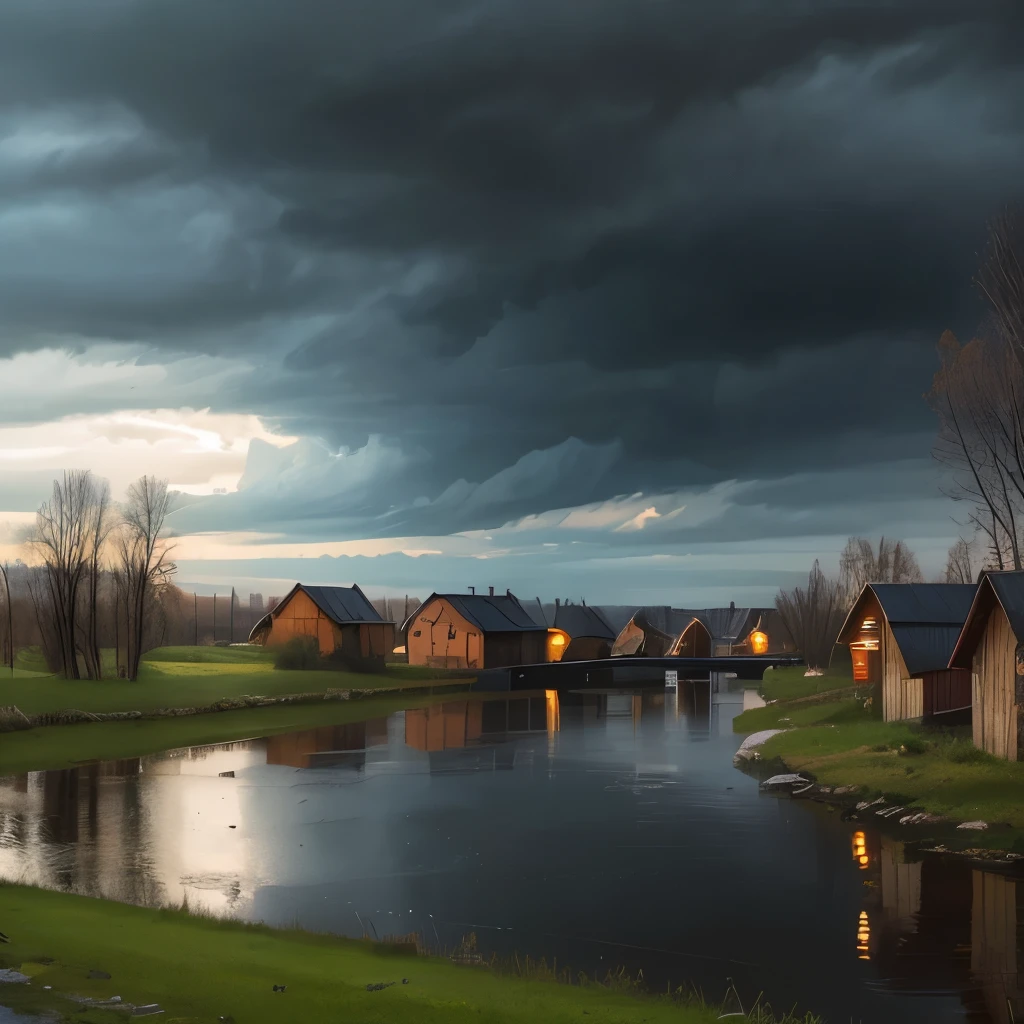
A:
{"x": 199, "y": 970}
{"x": 191, "y": 677}
{"x": 841, "y": 743}
{"x": 69, "y": 746}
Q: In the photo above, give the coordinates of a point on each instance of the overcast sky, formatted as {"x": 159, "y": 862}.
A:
{"x": 634, "y": 301}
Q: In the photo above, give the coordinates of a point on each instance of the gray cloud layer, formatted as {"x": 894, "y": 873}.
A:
{"x": 705, "y": 241}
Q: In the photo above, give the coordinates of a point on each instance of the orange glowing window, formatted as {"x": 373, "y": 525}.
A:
{"x": 860, "y": 664}
{"x": 759, "y": 642}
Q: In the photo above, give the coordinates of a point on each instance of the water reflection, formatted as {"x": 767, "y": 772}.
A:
{"x": 937, "y": 925}
{"x": 601, "y": 828}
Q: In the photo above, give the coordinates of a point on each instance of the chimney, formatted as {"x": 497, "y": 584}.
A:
{"x": 490, "y": 591}
{"x": 472, "y": 590}
{"x": 558, "y": 602}
{"x": 732, "y": 606}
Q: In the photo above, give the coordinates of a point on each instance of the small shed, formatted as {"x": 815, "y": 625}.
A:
{"x": 341, "y": 619}
{"x": 990, "y": 649}
{"x": 579, "y": 633}
{"x": 901, "y": 636}
{"x": 474, "y": 631}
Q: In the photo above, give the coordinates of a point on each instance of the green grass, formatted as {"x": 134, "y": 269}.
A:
{"x": 199, "y": 969}
{"x": 195, "y": 677}
{"x": 789, "y": 683}
{"x": 65, "y": 746}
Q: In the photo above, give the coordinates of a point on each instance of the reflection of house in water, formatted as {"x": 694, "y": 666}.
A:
{"x": 939, "y": 926}
{"x": 330, "y": 745}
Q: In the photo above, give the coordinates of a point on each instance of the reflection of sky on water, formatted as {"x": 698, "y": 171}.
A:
{"x": 601, "y": 829}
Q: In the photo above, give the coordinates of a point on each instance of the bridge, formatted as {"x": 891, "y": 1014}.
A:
{"x": 625, "y": 671}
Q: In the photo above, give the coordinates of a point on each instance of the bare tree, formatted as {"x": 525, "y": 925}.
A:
{"x": 10, "y": 615}
{"x": 978, "y": 396}
{"x": 813, "y": 617}
{"x": 61, "y": 537}
{"x": 143, "y": 557}
{"x": 860, "y": 563}
{"x": 99, "y": 524}
{"x": 1000, "y": 278}
{"x": 963, "y": 562}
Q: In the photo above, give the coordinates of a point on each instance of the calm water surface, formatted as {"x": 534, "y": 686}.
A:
{"x": 598, "y": 829}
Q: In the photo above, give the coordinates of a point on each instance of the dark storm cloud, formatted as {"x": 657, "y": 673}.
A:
{"x": 713, "y": 240}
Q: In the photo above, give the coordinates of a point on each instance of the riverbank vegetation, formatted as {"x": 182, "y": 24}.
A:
{"x": 200, "y": 969}
{"x": 842, "y": 743}
{"x": 181, "y": 677}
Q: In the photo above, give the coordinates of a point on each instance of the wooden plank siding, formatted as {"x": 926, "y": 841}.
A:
{"x": 995, "y": 954}
{"x": 902, "y": 697}
{"x": 993, "y": 711}
{"x": 948, "y": 690}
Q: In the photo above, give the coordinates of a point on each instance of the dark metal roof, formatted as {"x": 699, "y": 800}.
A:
{"x": 726, "y": 625}
{"x": 499, "y": 614}
{"x": 581, "y": 620}
{"x": 925, "y": 618}
{"x": 340, "y": 604}
{"x": 946, "y": 603}
{"x": 925, "y": 648}
{"x": 1003, "y": 588}
{"x": 343, "y": 604}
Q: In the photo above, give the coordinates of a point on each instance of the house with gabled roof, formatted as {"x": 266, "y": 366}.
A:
{"x": 990, "y": 649}
{"x": 901, "y": 637}
{"x": 474, "y": 631}
{"x": 341, "y": 620}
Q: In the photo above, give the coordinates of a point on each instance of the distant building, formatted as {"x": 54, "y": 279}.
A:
{"x": 256, "y": 604}
{"x": 901, "y": 637}
{"x": 341, "y": 619}
{"x": 990, "y": 650}
{"x": 579, "y": 633}
{"x": 474, "y": 631}
{"x": 658, "y": 631}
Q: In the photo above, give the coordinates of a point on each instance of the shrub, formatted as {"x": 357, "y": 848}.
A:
{"x": 913, "y": 745}
{"x": 961, "y": 751}
{"x": 301, "y": 652}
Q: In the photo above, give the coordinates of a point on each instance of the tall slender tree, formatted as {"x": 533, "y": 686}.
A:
{"x": 144, "y": 558}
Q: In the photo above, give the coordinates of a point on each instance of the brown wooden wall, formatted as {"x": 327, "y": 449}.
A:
{"x": 949, "y": 690}
{"x": 446, "y": 639}
{"x": 994, "y": 713}
{"x": 995, "y": 954}
{"x": 902, "y": 697}
{"x": 301, "y": 617}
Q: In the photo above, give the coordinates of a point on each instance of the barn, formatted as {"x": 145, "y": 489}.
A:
{"x": 901, "y": 636}
{"x": 474, "y": 631}
{"x": 989, "y": 651}
{"x": 579, "y": 633}
{"x": 341, "y": 619}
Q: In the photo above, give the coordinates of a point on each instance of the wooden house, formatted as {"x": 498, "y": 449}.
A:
{"x": 990, "y": 650}
{"x": 474, "y": 631}
{"x": 341, "y": 619}
{"x": 901, "y": 636}
{"x": 579, "y": 633}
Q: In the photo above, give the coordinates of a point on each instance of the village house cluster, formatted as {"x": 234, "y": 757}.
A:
{"x": 478, "y": 631}
{"x": 947, "y": 652}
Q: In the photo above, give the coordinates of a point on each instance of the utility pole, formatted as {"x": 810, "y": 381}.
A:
{"x": 195, "y": 603}
{"x": 231, "y": 627}
{"x": 214, "y": 618}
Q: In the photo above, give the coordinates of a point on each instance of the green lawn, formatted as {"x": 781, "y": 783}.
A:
{"x": 789, "y": 683}
{"x": 194, "y": 677}
{"x": 202, "y": 970}
{"x": 65, "y": 746}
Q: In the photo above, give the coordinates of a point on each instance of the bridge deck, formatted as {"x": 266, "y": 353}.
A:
{"x": 563, "y": 675}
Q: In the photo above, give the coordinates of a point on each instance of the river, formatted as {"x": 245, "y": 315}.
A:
{"x": 601, "y": 830}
